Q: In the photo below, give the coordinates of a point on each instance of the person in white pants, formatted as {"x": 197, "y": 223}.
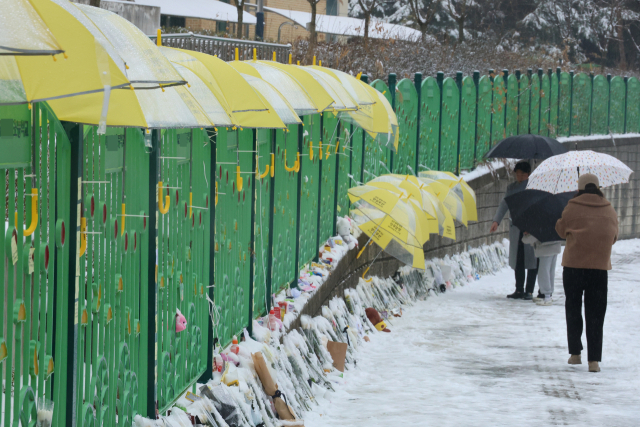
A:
{"x": 547, "y": 253}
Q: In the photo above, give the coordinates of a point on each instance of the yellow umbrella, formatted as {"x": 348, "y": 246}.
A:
{"x": 294, "y": 92}
{"x": 23, "y": 32}
{"x": 245, "y": 106}
{"x": 90, "y": 65}
{"x": 146, "y": 67}
{"x": 449, "y": 198}
{"x": 318, "y": 93}
{"x": 280, "y": 105}
{"x": 459, "y": 187}
{"x": 353, "y": 86}
{"x": 342, "y": 100}
{"x": 440, "y": 220}
{"x": 385, "y": 131}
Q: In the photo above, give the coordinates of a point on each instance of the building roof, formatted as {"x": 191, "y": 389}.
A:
{"x": 346, "y": 26}
{"x": 205, "y": 9}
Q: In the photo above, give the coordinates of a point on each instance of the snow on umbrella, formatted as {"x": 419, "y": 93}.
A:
{"x": 559, "y": 174}
{"x": 537, "y": 212}
{"x": 526, "y": 147}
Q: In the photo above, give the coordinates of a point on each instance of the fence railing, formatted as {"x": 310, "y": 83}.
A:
{"x": 108, "y": 237}
{"x": 225, "y": 47}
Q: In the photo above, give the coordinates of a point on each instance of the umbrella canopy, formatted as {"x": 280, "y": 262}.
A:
{"x": 91, "y": 62}
{"x": 449, "y": 198}
{"x": 244, "y": 105}
{"x": 289, "y": 87}
{"x": 320, "y": 95}
{"x": 559, "y": 174}
{"x": 280, "y": 105}
{"x": 526, "y": 146}
{"x": 145, "y": 66}
{"x": 342, "y": 100}
{"x": 537, "y": 212}
{"x": 439, "y": 219}
{"x": 23, "y": 32}
{"x": 378, "y": 120}
{"x": 459, "y": 187}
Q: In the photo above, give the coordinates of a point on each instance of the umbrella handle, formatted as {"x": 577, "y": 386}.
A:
{"x": 364, "y": 274}
{"x": 34, "y": 214}
{"x": 273, "y": 165}
{"x": 310, "y": 150}
{"x": 163, "y": 207}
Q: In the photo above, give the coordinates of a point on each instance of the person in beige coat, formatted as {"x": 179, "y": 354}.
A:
{"x": 590, "y": 225}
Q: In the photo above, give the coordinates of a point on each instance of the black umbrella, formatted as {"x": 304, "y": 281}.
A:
{"x": 537, "y": 212}
{"x": 526, "y": 147}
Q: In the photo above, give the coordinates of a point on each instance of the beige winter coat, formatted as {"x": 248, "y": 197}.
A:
{"x": 590, "y": 225}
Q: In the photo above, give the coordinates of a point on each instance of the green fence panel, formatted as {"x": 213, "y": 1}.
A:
{"x": 553, "y": 106}
{"x": 262, "y": 229}
{"x": 600, "y": 106}
{"x": 384, "y": 154}
{"x": 617, "y": 105}
{"x": 498, "y": 110}
{"x": 483, "y": 127}
{"x": 511, "y": 125}
{"x": 449, "y": 125}
{"x": 26, "y": 365}
{"x": 534, "y": 112}
{"x": 328, "y": 164}
{"x": 545, "y": 88}
{"x": 564, "y": 111}
{"x": 467, "y": 123}
{"x": 524, "y": 105}
{"x": 309, "y": 189}
{"x": 429, "y": 124}
{"x": 580, "y": 109}
{"x": 343, "y": 159}
{"x": 407, "y": 113}
{"x": 233, "y": 231}
{"x": 285, "y": 209}
{"x": 183, "y": 255}
{"x": 357, "y": 155}
{"x": 633, "y": 105}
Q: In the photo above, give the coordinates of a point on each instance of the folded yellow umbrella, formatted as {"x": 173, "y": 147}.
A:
{"x": 353, "y": 86}
{"x": 246, "y": 107}
{"x": 460, "y": 187}
{"x": 319, "y": 94}
{"x": 23, "y": 32}
{"x": 385, "y": 130}
{"x": 90, "y": 64}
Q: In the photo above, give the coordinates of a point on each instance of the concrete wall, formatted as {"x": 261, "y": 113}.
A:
{"x": 489, "y": 190}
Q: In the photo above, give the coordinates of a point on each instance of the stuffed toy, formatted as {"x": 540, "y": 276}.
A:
{"x": 181, "y": 321}
{"x": 375, "y": 318}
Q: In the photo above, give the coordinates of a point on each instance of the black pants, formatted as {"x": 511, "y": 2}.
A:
{"x": 520, "y": 271}
{"x": 593, "y": 283}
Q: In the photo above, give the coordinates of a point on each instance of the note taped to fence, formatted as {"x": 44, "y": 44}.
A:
{"x": 14, "y": 249}
{"x": 31, "y": 262}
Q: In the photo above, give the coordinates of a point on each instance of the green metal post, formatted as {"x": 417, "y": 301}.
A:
{"x": 440, "y": 79}
{"x": 518, "y": 95}
{"x": 571, "y": 102}
{"x": 364, "y": 78}
{"x": 335, "y": 194}
{"x": 530, "y": 74}
{"x": 252, "y": 252}
{"x": 269, "y": 277}
{"x": 626, "y": 98}
{"x": 76, "y": 136}
{"x": 491, "y": 142}
{"x": 297, "y": 251}
{"x": 476, "y": 81}
{"x": 608, "y": 101}
{"x": 505, "y": 79}
{"x": 540, "y": 74}
{"x": 591, "y": 103}
{"x": 459, "y": 83}
{"x": 418, "y": 83}
{"x": 557, "y": 124}
{"x": 392, "y": 93}
{"x": 212, "y": 232}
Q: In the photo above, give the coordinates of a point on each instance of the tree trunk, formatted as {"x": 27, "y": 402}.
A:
{"x": 240, "y": 9}
{"x": 461, "y": 30}
{"x": 623, "y": 57}
{"x": 94, "y": 3}
{"x": 313, "y": 36}
{"x": 367, "y": 19}
{"x": 423, "y": 31}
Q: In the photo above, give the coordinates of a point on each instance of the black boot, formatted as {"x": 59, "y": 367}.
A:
{"x": 527, "y": 296}
{"x": 516, "y": 295}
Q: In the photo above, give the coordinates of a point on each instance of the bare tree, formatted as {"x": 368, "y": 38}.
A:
{"x": 459, "y": 11}
{"x": 239, "y": 4}
{"x": 422, "y": 12}
{"x": 313, "y": 36}
{"x": 367, "y": 7}
{"x": 94, "y": 3}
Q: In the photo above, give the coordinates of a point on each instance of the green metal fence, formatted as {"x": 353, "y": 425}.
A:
{"x": 108, "y": 236}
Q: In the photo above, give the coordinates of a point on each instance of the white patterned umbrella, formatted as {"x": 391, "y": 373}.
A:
{"x": 559, "y": 174}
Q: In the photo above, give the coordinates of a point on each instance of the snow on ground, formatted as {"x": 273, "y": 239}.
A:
{"x": 471, "y": 357}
